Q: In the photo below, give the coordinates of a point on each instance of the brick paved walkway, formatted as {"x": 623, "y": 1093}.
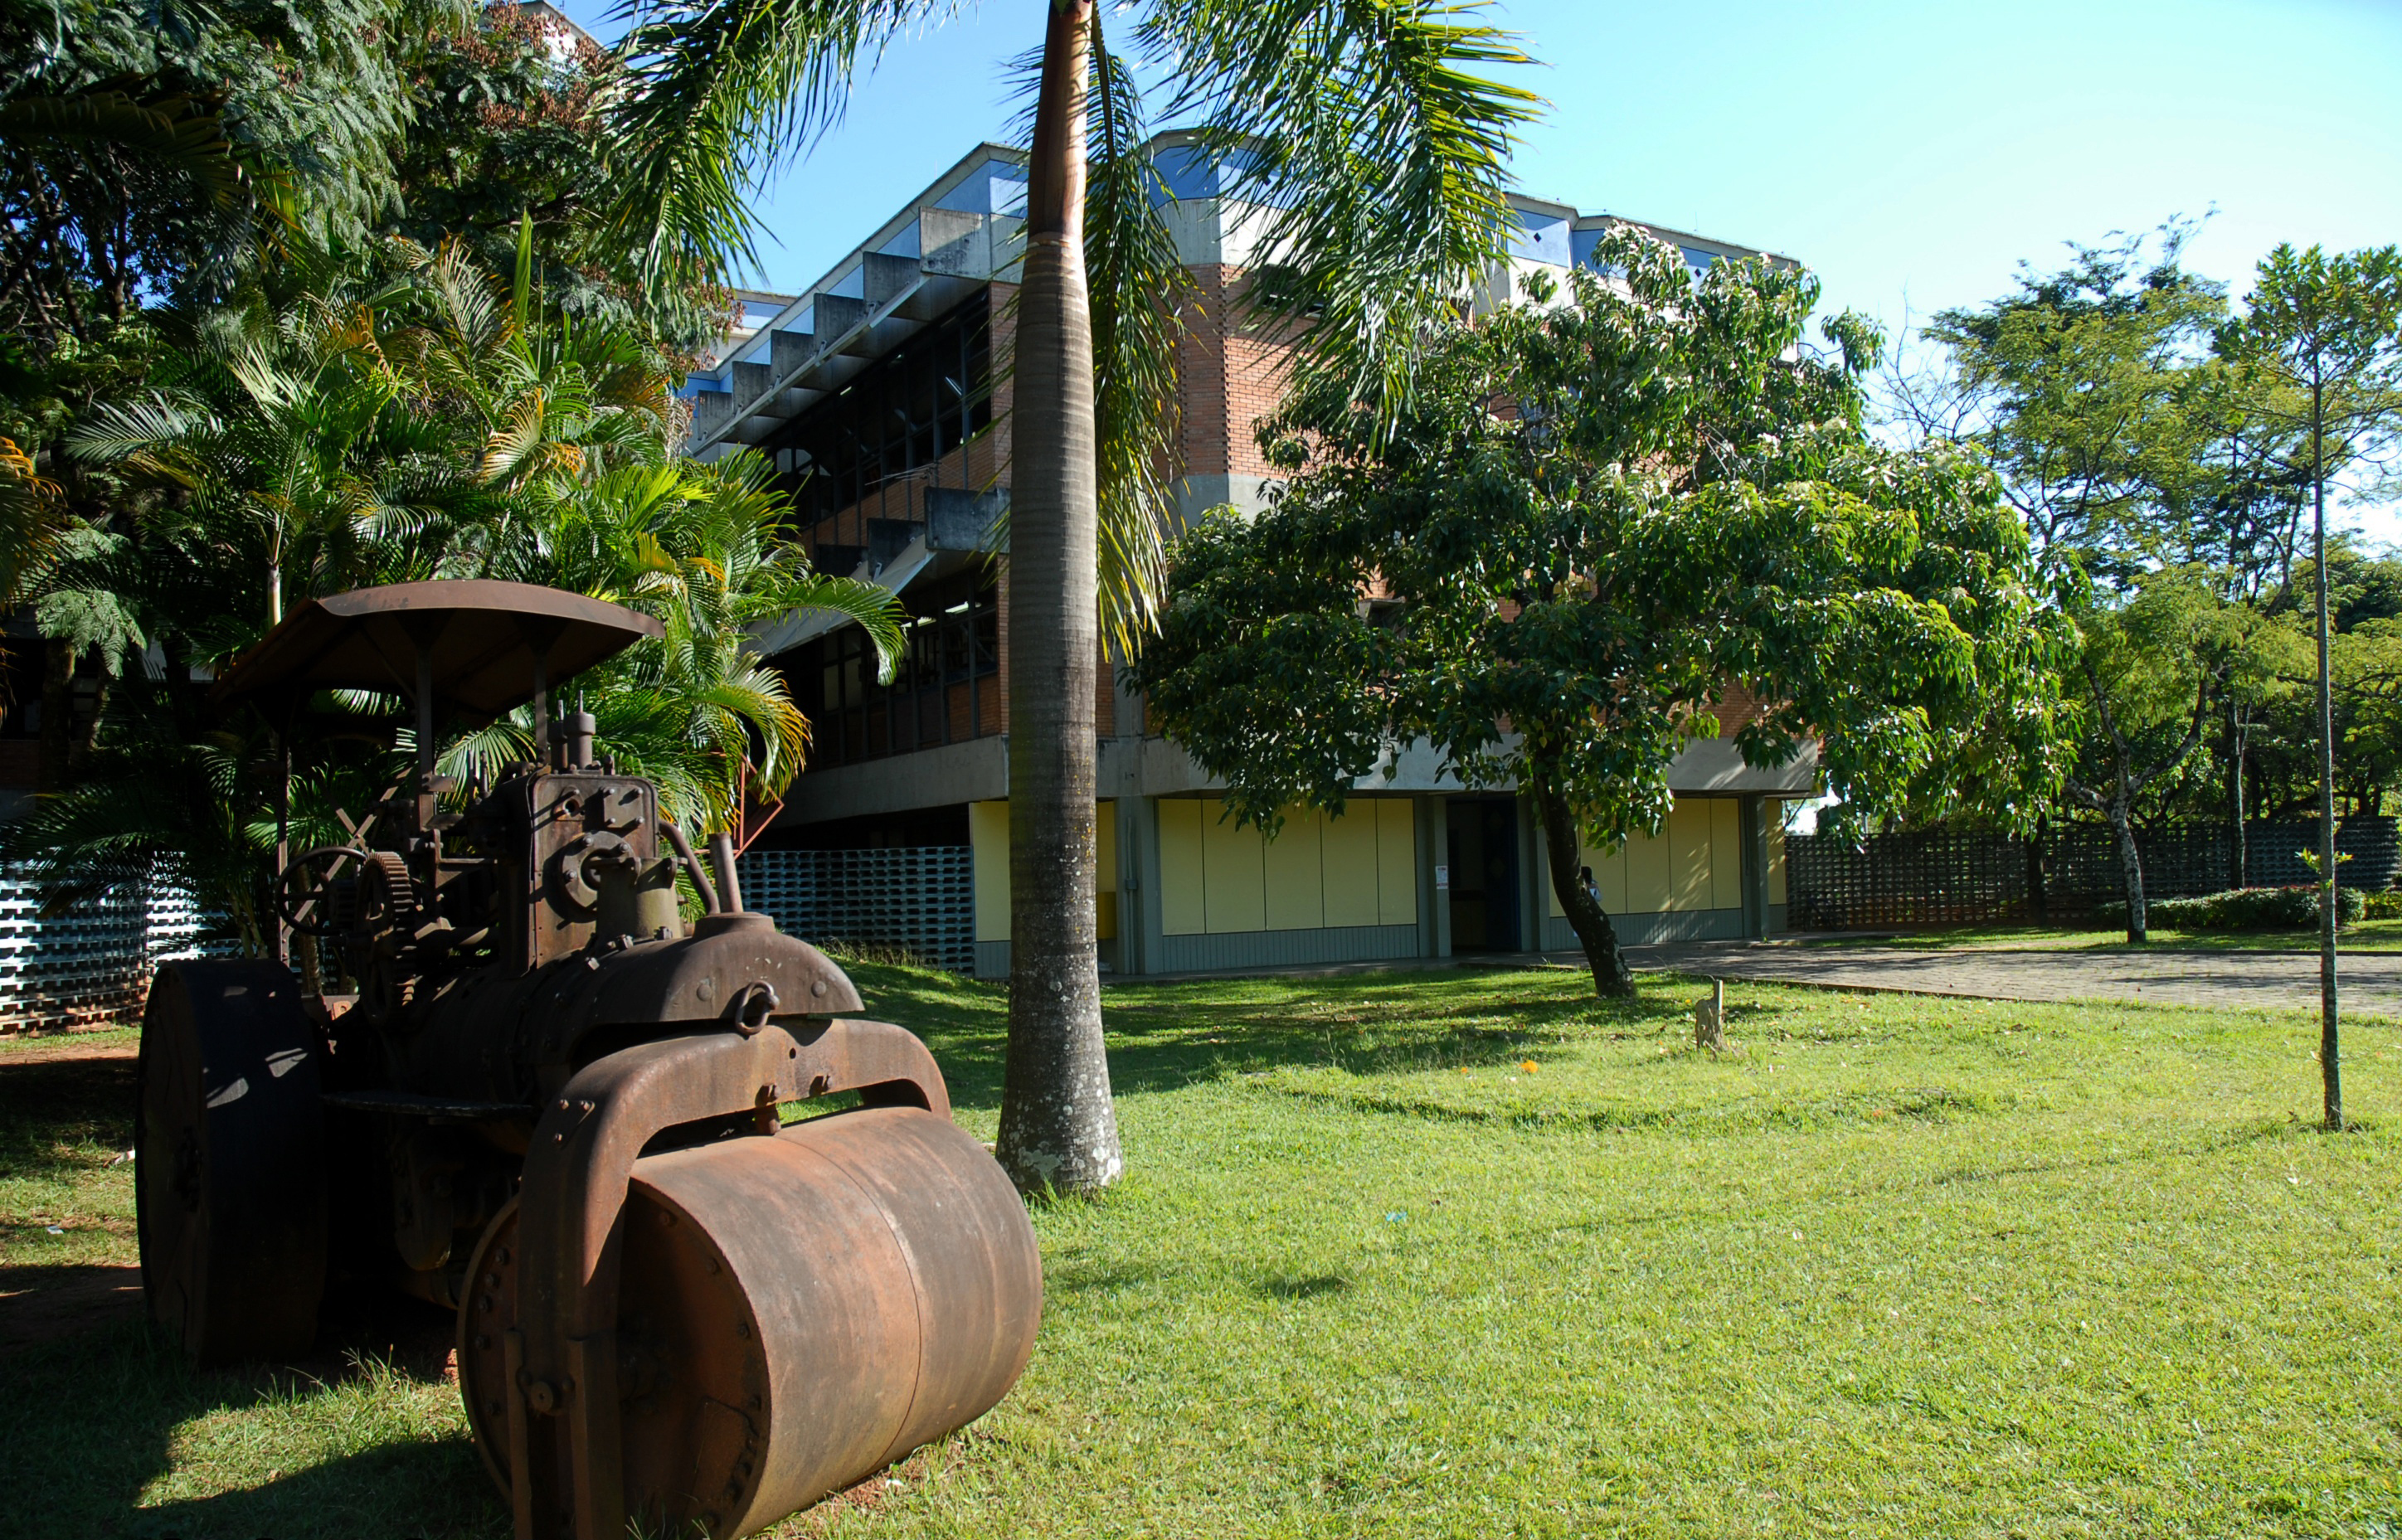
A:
{"x": 2371, "y": 981}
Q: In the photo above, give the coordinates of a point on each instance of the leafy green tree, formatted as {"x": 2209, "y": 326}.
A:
{"x": 2077, "y": 387}
{"x": 2324, "y": 334}
{"x": 1366, "y": 131}
{"x": 1590, "y": 524}
{"x": 145, "y": 154}
{"x": 510, "y": 125}
{"x": 149, "y": 156}
{"x": 2365, "y": 661}
{"x": 277, "y": 434}
{"x": 2093, "y": 392}
{"x": 2146, "y": 669}
{"x": 2237, "y": 516}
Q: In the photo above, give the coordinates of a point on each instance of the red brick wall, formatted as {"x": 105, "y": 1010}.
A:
{"x": 1234, "y": 374}
{"x": 1738, "y": 709}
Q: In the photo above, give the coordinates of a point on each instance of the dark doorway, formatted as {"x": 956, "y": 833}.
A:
{"x": 1484, "y": 875}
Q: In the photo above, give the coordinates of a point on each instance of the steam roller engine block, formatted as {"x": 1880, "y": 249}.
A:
{"x": 527, "y": 937}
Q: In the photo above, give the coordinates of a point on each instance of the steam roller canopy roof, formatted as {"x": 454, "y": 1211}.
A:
{"x": 486, "y": 637}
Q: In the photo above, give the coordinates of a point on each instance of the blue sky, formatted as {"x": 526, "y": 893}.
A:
{"x": 1911, "y": 154}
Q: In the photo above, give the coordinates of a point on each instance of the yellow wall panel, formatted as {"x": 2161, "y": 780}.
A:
{"x": 1347, "y": 856}
{"x": 1296, "y": 888}
{"x": 1181, "y": 908}
{"x": 1105, "y": 875}
{"x": 1726, "y": 853}
{"x": 988, "y": 836}
{"x": 1774, "y": 813}
{"x": 1233, "y": 878}
{"x": 1647, "y": 874}
{"x": 1696, "y": 862}
{"x": 1397, "y": 861}
{"x": 1688, "y": 841}
{"x": 1610, "y": 875}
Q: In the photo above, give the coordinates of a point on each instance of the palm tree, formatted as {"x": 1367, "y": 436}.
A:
{"x": 447, "y": 425}
{"x": 702, "y": 548}
{"x": 32, "y": 520}
{"x": 277, "y": 436}
{"x": 1360, "y": 124}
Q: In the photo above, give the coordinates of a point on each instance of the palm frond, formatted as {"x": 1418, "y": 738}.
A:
{"x": 174, "y": 130}
{"x": 875, "y": 610}
{"x": 1140, "y": 289}
{"x": 33, "y": 520}
{"x": 1370, "y": 134}
{"x": 722, "y": 95}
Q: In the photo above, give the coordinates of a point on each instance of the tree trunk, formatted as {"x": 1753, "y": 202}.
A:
{"x": 2330, "y": 1060}
{"x": 58, "y": 713}
{"x": 1598, "y": 937}
{"x": 2038, "y": 888}
{"x": 2239, "y": 861}
{"x": 2130, "y": 860}
{"x": 86, "y": 734}
{"x": 1058, "y": 1130}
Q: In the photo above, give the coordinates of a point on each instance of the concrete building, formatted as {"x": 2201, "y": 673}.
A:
{"x": 874, "y": 393}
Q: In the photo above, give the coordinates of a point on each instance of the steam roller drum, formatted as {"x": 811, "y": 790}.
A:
{"x": 795, "y": 1313}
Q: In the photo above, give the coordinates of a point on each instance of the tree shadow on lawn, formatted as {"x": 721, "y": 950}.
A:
{"x": 91, "y": 1397}
{"x": 1165, "y": 1037}
{"x": 48, "y": 1106}
{"x": 92, "y": 1422}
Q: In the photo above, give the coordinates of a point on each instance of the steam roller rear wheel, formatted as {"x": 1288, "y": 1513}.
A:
{"x": 229, "y": 1176}
{"x": 795, "y": 1313}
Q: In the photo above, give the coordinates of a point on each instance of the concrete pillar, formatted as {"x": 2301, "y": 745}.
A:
{"x": 1755, "y": 868}
{"x": 1434, "y": 869}
{"x": 1139, "y": 925}
{"x": 1535, "y": 876}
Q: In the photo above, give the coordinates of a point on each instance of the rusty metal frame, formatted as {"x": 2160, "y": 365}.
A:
{"x": 566, "y": 1464}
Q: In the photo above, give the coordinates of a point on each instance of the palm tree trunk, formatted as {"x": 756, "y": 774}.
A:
{"x": 1058, "y": 1130}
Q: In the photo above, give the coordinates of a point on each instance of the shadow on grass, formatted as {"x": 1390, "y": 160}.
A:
{"x": 415, "y": 1490}
{"x": 49, "y": 1107}
{"x": 93, "y": 1421}
{"x": 1163, "y": 1037}
{"x": 1305, "y": 1288}
{"x": 1075, "y": 1277}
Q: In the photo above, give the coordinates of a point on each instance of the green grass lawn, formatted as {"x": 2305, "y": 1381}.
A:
{"x": 1904, "y": 1267}
{"x": 2360, "y": 936}
{"x": 64, "y": 1127}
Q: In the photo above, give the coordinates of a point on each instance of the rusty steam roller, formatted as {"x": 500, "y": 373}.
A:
{"x": 528, "y": 1092}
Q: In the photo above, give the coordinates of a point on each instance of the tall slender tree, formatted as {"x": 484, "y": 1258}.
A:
{"x": 2077, "y": 385}
{"x": 1366, "y": 131}
{"x": 2325, "y": 335}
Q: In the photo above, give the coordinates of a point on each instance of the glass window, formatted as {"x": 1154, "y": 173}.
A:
{"x": 897, "y": 419}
